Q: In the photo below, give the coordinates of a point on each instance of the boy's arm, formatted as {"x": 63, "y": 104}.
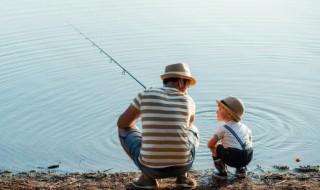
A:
{"x": 212, "y": 144}
{"x": 213, "y": 141}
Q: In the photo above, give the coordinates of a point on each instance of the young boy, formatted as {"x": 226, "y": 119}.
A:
{"x": 235, "y": 148}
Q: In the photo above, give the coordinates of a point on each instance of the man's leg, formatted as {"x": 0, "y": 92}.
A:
{"x": 130, "y": 140}
{"x": 185, "y": 180}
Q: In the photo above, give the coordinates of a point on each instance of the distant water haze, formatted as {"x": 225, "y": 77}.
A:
{"x": 60, "y": 98}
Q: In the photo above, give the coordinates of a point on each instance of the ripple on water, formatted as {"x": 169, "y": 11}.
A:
{"x": 60, "y": 98}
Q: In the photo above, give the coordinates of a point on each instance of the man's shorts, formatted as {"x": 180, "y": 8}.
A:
{"x": 131, "y": 143}
{"x": 234, "y": 157}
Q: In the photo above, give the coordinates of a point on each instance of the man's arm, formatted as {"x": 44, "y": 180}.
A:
{"x": 195, "y": 132}
{"x": 192, "y": 120}
{"x": 127, "y": 118}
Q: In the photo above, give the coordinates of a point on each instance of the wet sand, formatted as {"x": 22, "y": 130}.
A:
{"x": 307, "y": 177}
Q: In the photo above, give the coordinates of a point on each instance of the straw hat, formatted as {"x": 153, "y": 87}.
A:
{"x": 233, "y": 105}
{"x": 178, "y": 70}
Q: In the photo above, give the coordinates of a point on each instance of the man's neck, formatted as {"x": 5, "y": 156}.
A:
{"x": 171, "y": 85}
{"x": 176, "y": 86}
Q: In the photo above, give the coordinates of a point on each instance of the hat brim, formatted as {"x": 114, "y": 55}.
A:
{"x": 172, "y": 75}
{"x": 235, "y": 116}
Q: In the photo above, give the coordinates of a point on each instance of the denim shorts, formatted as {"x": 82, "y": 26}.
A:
{"x": 131, "y": 143}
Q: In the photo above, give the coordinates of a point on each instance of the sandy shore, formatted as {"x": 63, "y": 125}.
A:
{"x": 307, "y": 177}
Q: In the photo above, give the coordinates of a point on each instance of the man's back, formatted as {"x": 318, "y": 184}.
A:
{"x": 166, "y": 146}
{"x": 165, "y": 115}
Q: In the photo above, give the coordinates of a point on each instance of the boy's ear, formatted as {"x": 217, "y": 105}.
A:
{"x": 227, "y": 114}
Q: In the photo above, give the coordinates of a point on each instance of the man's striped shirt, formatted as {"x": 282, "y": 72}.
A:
{"x": 165, "y": 115}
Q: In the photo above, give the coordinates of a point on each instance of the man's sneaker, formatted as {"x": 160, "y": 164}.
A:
{"x": 220, "y": 175}
{"x": 185, "y": 181}
{"x": 144, "y": 182}
{"x": 241, "y": 173}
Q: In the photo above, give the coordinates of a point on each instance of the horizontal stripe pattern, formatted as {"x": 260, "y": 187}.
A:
{"x": 181, "y": 124}
{"x": 165, "y": 116}
{"x": 166, "y": 101}
{"x": 161, "y": 127}
{"x": 166, "y": 156}
{"x": 165, "y": 119}
{"x": 166, "y": 138}
{"x": 156, "y": 108}
{"x": 183, "y": 150}
{"x": 168, "y": 130}
{"x": 162, "y": 104}
{"x": 162, "y": 141}
{"x": 161, "y": 134}
{"x": 161, "y": 98}
{"x": 183, "y": 146}
{"x": 163, "y": 163}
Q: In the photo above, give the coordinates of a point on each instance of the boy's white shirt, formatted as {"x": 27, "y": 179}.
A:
{"x": 228, "y": 140}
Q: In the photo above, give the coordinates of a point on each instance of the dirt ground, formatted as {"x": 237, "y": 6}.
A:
{"x": 306, "y": 177}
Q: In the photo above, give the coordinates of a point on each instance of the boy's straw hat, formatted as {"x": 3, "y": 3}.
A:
{"x": 234, "y": 106}
{"x": 178, "y": 70}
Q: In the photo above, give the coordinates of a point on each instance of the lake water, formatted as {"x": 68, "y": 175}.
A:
{"x": 60, "y": 97}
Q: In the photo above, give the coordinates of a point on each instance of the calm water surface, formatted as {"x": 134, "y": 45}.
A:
{"x": 60, "y": 98}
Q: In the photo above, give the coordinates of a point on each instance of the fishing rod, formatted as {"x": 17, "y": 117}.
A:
{"x": 105, "y": 53}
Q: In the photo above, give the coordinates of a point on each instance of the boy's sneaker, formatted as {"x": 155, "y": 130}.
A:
{"x": 144, "y": 182}
{"x": 185, "y": 181}
{"x": 220, "y": 175}
{"x": 241, "y": 173}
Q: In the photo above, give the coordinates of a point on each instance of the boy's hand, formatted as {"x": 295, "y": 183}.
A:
{"x": 214, "y": 152}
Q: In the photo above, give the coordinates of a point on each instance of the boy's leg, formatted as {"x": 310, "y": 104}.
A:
{"x": 219, "y": 163}
{"x": 238, "y": 159}
{"x": 241, "y": 172}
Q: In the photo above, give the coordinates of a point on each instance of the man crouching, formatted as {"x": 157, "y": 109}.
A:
{"x": 166, "y": 145}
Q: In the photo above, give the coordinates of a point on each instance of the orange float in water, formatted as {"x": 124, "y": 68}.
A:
{"x": 298, "y": 159}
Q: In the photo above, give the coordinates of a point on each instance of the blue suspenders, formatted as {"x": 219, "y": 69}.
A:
{"x": 235, "y": 135}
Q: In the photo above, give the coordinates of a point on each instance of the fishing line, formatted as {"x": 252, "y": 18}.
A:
{"x": 106, "y": 54}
